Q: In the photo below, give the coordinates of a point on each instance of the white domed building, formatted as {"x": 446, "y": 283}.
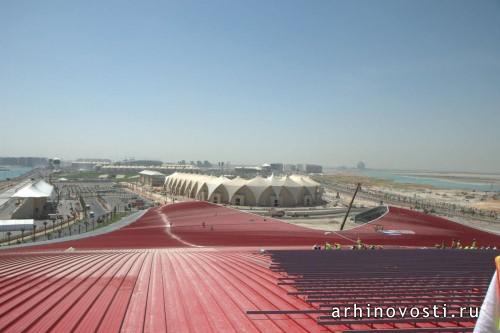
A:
{"x": 286, "y": 191}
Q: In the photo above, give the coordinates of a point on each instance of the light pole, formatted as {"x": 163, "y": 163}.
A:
{"x": 34, "y": 233}
{"x": 45, "y": 228}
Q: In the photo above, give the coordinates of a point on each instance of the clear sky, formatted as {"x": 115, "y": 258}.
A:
{"x": 397, "y": 84}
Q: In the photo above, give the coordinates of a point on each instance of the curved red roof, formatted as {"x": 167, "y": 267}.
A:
{"x": 405, "y": 227}
{"x": 197, "y": 223}
{"x": 192, "y": 267}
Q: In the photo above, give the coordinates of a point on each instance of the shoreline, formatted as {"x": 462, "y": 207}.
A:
{"x": 5, "y": 184}
{"x": 471, "y": 207}
{"x": 427, "y": 179}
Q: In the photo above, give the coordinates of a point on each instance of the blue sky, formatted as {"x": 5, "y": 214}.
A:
{"x": 397, "y": 84}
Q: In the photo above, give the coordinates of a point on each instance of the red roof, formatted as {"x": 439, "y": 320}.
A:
{"x": 151, "y": 291}
{"x": 182, "y": 268}
{"x": 197, "y": 223}
{"x": 405, "y": 227}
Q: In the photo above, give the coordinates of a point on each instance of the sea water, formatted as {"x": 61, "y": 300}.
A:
{"x": 431, "y": 181}
{"x": 12, "y": 171}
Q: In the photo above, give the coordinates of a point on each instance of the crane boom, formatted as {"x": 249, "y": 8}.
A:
{"x": 350, "y": 206}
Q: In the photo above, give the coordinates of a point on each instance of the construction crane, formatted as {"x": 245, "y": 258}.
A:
{"x": 350, "y": 206}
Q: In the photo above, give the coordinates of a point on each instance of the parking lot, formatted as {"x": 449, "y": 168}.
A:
{"x": 82, "y": 206}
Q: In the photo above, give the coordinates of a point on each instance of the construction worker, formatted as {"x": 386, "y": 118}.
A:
{"x": 473, "y": 245}
{"x": 328, "y": 246}
{"x": 459, "y": 244}
{"x": 453, "y": 244}
{"x": 359, "y": 244}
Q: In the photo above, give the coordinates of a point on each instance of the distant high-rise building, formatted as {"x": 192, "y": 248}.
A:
{"x": 276, "y": 167}
{"x": 247, "y": 171}
{"x": 24, "y": 161}
{"x": 89, "y": 163}
{"x": 142, "y": 162}
{"x": 55, "y": 163}
{"x": 313, "y": 168}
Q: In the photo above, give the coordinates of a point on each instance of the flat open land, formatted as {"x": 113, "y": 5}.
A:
{"x": 477, "y": 208}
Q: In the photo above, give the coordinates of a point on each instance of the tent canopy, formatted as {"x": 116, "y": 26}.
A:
{"x": 16, "y": 225}
{"x": 39, "y": 189}
{"x": 151, "y": 173}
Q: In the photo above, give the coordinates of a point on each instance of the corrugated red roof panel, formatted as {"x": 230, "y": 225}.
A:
{"x": 189, "y": 267}
{"x": 195, "y": 223}
{"x": 191, "y": 290}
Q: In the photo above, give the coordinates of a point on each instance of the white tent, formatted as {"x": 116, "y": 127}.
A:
{"x": 287, "y": 190}
{"x": 16, "y": 225}
{"x": 151, "y": 173}
{"x": 39, "y": 189}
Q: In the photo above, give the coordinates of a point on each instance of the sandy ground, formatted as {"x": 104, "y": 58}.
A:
{"x": 490, "y": 204}
{"x": 326, "y": 224}
{"x": 483, "y": 225}
{"x": 480, "y": 200}
{"x": 343, "y": 200}
{"x": 463, "y": 198}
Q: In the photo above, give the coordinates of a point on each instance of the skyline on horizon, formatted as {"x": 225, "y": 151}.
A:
{"x": 397, "y": 84}
{"x": 326, "y": 168}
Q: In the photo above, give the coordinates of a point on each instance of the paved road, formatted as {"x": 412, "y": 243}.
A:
{"x": 111, "y": 227}
{"x": 95, "y": 207}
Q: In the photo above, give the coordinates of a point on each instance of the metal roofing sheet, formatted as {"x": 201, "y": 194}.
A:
{"x": 147, "y": 277}
{"x": 144, "y": 291}
{"x": 204, "y": 224}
